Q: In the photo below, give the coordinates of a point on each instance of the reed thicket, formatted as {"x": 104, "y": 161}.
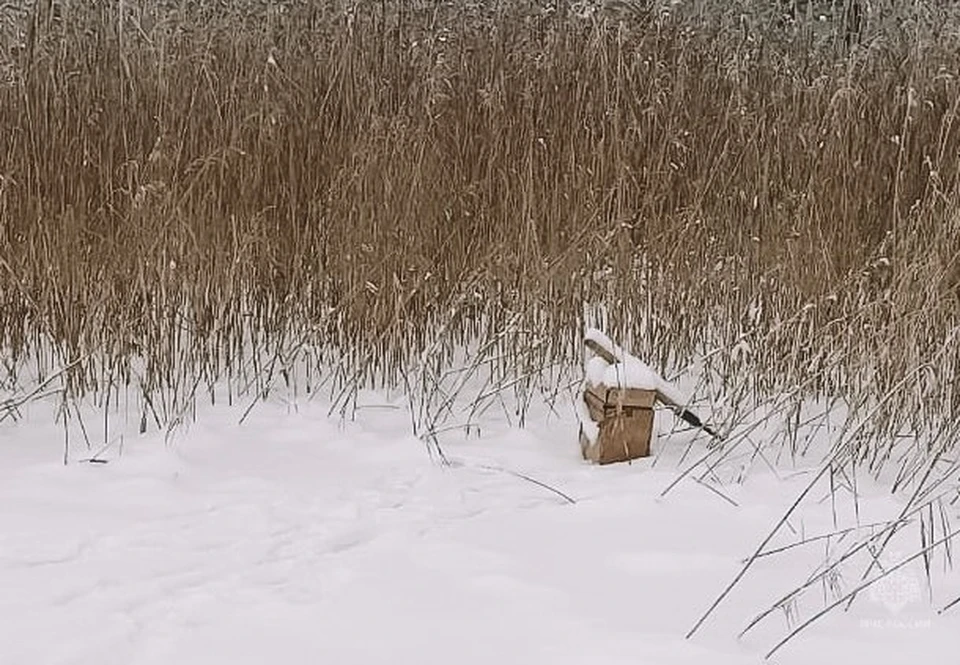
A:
{"x": 197, "y": 198}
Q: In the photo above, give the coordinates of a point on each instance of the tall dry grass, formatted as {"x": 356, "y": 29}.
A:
{"x": 195, "y": 195}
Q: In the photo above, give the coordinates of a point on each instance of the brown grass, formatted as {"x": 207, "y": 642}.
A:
{"x": 329, "y": 192}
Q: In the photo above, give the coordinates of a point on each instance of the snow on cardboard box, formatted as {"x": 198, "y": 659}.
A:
{"x": 619, "y": 394}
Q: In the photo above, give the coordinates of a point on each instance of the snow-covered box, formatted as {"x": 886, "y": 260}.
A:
{"x": 619, "y": 391}
{"x": 624, "y": 423}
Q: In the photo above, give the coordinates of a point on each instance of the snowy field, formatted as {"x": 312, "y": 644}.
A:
{"x": 297, "y": 538}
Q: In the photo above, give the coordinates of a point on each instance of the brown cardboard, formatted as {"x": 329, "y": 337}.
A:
{"x": 625, "y": 419}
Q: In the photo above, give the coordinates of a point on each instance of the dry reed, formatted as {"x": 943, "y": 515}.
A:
{"x": 194, "y": 196}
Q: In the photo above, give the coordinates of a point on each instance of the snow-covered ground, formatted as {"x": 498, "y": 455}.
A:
{"x": 296, "y": 538}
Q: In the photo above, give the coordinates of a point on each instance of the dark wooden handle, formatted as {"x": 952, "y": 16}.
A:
{"x": 601, "y": 351}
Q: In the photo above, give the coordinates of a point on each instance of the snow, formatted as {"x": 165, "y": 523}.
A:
{"x": 601, "y": 338}
{"x": 296, "y": 538}
{"x": 588, "y": 427}
{"x": 630, "y": 372}
{"x": 595, "y": 369}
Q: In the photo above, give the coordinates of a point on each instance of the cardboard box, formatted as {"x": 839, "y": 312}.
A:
{"x": 625, "y": 419}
